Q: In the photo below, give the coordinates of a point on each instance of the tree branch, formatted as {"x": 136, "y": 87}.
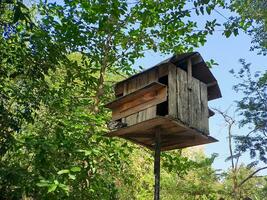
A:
{"x": 251, "y": 175}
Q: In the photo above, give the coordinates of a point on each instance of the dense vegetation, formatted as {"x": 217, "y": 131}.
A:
{"x": 58, "y": 62}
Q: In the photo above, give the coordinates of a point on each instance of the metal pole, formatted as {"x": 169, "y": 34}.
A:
{"x": 157, "y": 164}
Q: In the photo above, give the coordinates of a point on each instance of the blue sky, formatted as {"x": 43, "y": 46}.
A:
{"x": 226, "y": 52}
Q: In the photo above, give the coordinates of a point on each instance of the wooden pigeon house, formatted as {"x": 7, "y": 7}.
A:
{"x": 171, "y": 96}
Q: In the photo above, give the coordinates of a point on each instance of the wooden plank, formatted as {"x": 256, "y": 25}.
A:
{"x": 139, "y": 143}
{"x": 182, "y": 96}
{"x": 138, "y": 128}
{"x": 163, "y": 70}
{"x": 129, "y": 96}
{"x": 145, "y": 106}
{"x": 132, "y": 89}
{"x": 195, "y": 108}
{"x": 189, "y": 72}
{"x": 204, "y": 125}
{"x": 142, "y": 80}
{"x": 142, "y": 99}
{"x": 125, "y": 92}
{"x": 198, "y": 140}
{"x": 140, "y": 133}
{"x": 118, "y": 89}
{"x": 172, "y": 89}
{"x": 152, "y": 75}
{"x": 151, "y": 112}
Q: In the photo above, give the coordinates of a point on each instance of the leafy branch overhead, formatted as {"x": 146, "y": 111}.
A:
{"x": 58, "y": 60}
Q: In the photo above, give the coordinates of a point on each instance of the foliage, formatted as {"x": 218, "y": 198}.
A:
{"x": 252, "y": 17}
{"x": 58, "y": 61}
{"x": 27, "y": 53}
{"x": 199, "y": 183}
{"x": 64, "y": 150}
{"x": 192, "y": 178}
{"x": 239, "y": 176}
{"x": 252, "y": 188}
{"x": 253, "y": 109}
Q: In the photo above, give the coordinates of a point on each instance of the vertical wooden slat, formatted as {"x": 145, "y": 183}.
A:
{"x": 195, "y": 109}
{"x": 189, "y": 72}
{"x": 204, "y": 108}
{"x": 172, "y": 89}
{"x": 118, "y": 89}
{"x": 125, "y": 91}
{"x": 190, "y": 95}
{"x": 131, "y": 87}
{"x": 162, "y": 70}
{"x": 142, "y": 80}
{"x": 182, "y": 96}
{"x": 152, "y": 77}
{"x": 135, "y": 84}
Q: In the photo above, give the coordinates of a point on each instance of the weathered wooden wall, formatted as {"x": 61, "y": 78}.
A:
{"x": 136, "y": 83}
{"x": 188, "y": 99}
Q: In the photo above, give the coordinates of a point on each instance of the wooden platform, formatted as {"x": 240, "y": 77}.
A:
{"x": 174, "y": 135}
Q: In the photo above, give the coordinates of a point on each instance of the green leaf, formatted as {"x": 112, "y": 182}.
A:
{"x": 75, "y": 169}
{"x": 52, "y": 188}
{"x": 71, "y": 176}
{"x": 227, "y": 33}
{"x": 63, "y": 171}
{"x": 43, "y": 183}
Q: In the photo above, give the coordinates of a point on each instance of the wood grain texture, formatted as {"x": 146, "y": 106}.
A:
{"x": 163, "y": 70}
{"x": 195, "y": 109}
{"x": 141, "y": 104}
{"x": 143, "y": 94}
{"x": 130, "y": 86}
{"x": 204, "y": 126}
{"x": 182, "y": 96}
{"x": 153, "y": 77}
{"x": 172, "y": 90}
{"x": 142, "y": 80}
{"x": 189, "y": 73}
{"x": 179, "y": 136}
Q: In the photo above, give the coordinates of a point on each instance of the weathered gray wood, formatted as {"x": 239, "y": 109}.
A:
{"x": 148, "y": 103}
{"x": 163, "y": 70}
{"x": 124, "y": 85}
{"x": 190, "y": 93}
{"x": 172, "y": 89}
{"x": 152, "y": 77}
{"x": 189, "y": 72}
{"x": 118, "y": 89}
{"x": 195, "y": 109}
{"x": 145, "y": 98}
{"x": 182, "y": 96}
{"x": 142, "y": 80}
{"x": 129, "y": 87}
{"x": 152, "y": 88}
{"x": 157, "y": 163}
{"x": 204, "y": 108}
{"x": 131, "y": 119}
{"x": 170, "y": 129}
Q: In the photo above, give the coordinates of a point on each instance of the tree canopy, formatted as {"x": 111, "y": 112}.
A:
{"x": 58, "y": 61}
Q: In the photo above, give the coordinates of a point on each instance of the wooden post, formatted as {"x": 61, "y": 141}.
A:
{"x": 157, "y": 164}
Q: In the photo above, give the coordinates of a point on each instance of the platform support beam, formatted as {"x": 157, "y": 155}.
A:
{"x": 157, "y": 164}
